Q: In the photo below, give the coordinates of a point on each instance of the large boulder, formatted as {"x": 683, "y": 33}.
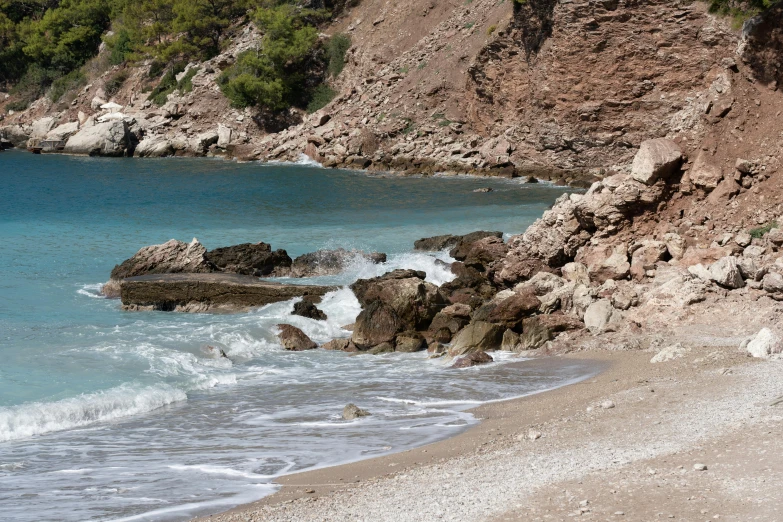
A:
{"x": 481, "y": 254}
{"x": 645, "y": 256}
{"x": 478, "y": 336}
{"x": 448, "y": 322}
{"x": 773, "y": 283}
{"x": 656, "y": 159}
{"x": 726, "y": 273}
{"x": 605, "y": 262}
{"x": 472, "y": 359}
{"x": 414, "y": 301}
{"x": 63, "y": 132}
{"x": 706, "y": 173}
{"x": 539, "y": 329}
{"x": 112, "y": 138}
{"x": 601, "y": 316}
{"x": 377, "y": 323}
{"x": 307, "y": 309}
{"x": 172, "y": 257}
{"x": 330, "y": 262}
{"x": 154, "y": 147}
{"x": 511, "y": 312}
{"x": 256, "y": 259}
{"x": 466, "y": 243}
{"x": 765, "y": 343}
{"x": 294, "y": 339}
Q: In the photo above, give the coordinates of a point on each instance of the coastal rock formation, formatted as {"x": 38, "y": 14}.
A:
{"x": 171, "y": 257}
{"x": 249, "y": 259}
{"x": 330, "y": 262}
{"x": 307, "y": 309}
{"x": 293, "y": 339}
{"x": 472, "y": 359}
{"x": 154, "y": 148}
{"x": 181, "y": 292}
{"x": 478, "y": 336}
{"x": 112, "y": 138}
{"x": 352, "y": 412}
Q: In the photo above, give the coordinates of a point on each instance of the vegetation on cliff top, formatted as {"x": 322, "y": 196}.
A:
{"x": 44, "y": 44}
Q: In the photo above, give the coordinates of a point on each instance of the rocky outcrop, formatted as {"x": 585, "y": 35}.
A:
{"x": 412, "y": 301}
{"x": 479, "y": 336}
{"x": 472, "y": 359}
{"x": 207, "y": 292}
{"x": 293, "y": 339}
{"x": 112, "y": 138}
{"x": 330, "y": 262}
{"x": 765, "y": 343}
{"x": 255, "y": 259}
{"x": 352, "y": 412}
{"x": 171, "y": 257}
{"x": 154, "y": 147}
{"x": 307, "y": 309}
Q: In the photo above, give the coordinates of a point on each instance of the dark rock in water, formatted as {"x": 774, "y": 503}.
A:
{"x": 465, "y": 243}
{"x": 437, "y": 243}
{"x": 376, "y": 324}
{"x": 511, "y": 312}
{"x": 256, "y": 259}
{"x": 470, "y": 287}
{"x": 352, "y": 411}
{"x": 539, "y": 329}
{"x": 329, "y": 262}
{"x": 307, "y": 309}
{"x": 473, "y": 359}
{"x": 482, "y": 253}
{"x": 172, "y": 257}
{"x": 409, "y": 342}
{"x": 207, "y": 292}
{"x": 484, "y": 189}
{"x": 413, "y": 301}
{"x": 341, "y": 345}
{"x": 478, "y": 336}
{"x": 294, "y": 339}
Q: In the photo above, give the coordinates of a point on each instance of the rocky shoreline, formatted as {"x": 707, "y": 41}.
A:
{"x": 596, "y": 264}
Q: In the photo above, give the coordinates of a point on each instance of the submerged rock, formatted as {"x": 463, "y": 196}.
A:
{"x": 472, "y": 359}
{"x": 294, "y": 339}
{"x": 352, "y": 411}
{"x": 307, "y": 309}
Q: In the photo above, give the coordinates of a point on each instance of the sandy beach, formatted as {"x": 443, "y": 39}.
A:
{"x": 629, "y": 444}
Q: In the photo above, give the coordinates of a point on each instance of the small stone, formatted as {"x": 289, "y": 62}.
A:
{"x": 700, "y": 467}
{"x": 533, "y": 435}
{"x": 607, "y": 405}
{"x": 309, "y": 491}
{"x": 619, "y": 513}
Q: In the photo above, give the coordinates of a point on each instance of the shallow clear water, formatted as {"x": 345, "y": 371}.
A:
{"x": 108, "y": 415}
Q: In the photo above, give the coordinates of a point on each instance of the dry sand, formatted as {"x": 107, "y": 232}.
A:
{"x": 634, "y": 461}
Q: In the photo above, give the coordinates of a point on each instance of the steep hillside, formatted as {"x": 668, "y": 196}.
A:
{"x": 560, "y": 90}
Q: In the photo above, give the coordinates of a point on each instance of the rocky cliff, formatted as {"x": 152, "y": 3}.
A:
{"x": 565, "y": 90}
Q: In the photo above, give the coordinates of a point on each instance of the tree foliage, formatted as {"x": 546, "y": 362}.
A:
{"x": 273, "y": 76}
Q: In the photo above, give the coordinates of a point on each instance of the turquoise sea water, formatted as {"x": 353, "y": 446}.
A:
{"x": 108, "y": 415}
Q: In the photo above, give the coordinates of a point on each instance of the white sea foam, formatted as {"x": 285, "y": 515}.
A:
{"x": 27, "y": 420}
{"x": 92, "y": 290}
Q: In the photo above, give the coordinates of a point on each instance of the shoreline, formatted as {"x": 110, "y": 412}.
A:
{"x": 580, "y": 181}
{"x": 492, "y": 416}
{"x": 553, "y": 423}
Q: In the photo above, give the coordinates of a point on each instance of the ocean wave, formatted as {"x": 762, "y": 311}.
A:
{"x": 92, "y": 290}
{"x": 28, "y": 420}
